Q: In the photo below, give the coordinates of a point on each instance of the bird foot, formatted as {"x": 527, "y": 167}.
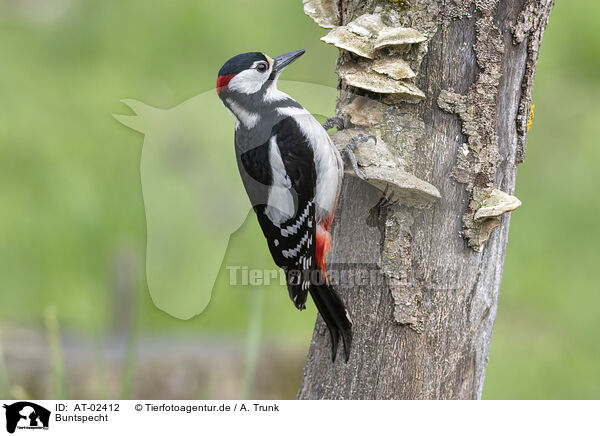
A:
{"x": 348, "y": 151}
{"x": 387, "y": 200}
{"x": 334, "y": 122}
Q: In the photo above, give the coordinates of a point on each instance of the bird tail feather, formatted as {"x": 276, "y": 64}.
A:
{"x": 334, "y": 313}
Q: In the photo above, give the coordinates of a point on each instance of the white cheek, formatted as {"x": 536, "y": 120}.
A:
{"x": 248, "y": 82}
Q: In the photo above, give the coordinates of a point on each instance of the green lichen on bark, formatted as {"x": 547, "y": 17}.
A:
{"x": 393, "y": 119}
{"x": 477, "y": 160}
{"x": 529, "y": 29}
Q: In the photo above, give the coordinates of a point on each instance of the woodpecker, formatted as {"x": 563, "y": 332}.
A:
{"x": 292, "y": 173}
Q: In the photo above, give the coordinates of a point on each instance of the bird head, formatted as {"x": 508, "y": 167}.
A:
{"x": 252, "y": 74}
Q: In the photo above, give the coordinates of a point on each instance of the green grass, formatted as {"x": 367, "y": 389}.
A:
{"x": 4, "y": 381}
{"x": 57, "y": 365}
{"x": 71, "y": 196}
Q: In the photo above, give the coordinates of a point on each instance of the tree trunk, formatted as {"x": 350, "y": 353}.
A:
{"x": 449, "y": 101}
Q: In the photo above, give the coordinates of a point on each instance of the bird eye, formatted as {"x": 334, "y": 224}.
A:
{"x": 262, "y": 67}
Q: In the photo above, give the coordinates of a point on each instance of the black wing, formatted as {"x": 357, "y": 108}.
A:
{"x": 292, "y": 242}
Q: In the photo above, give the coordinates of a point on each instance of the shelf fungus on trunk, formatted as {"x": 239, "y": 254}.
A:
{"x": 324, "y": 12}
{"x": 394, "y": 68}
{"x": 367, "y": 34}
{"x": 393, "y": 36}
{"x": 363, "y": 76}
{"x": 386, "y": 172}
{"x": 383, "y": 67}
{"x": 487, "y": 206}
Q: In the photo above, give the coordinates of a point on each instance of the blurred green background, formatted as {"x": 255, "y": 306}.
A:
{"x": 72, "y": 227}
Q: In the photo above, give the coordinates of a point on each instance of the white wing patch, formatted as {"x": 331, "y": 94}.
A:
{"x": 327, "y": 160}
{"x": 280, "y": 203}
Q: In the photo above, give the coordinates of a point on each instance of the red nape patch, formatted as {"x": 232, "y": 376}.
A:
{"x": 222, "y": 81}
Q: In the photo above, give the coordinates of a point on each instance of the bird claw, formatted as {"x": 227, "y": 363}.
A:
{"x": 349, "y": 152}
{"x": 388, "y": 199}
{"x": 334, "y": 122}
{"x": 354, "y": 142}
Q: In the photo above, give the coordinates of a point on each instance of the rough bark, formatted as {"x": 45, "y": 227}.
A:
{"x": 423, "y": 329}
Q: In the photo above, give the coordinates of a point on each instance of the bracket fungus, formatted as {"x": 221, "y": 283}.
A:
{"x": 386, "y": 172}
{"x": 496, "y": 203}
{"x": 362, "y": 76}
{"x": 395, "y": 68}
{"x": 324, "y": 12}
{"x": 392, "y": 36}
{"x": 342, "y": 38}
{"x": 489, "y": 207}
{"x": 366, "y": 36}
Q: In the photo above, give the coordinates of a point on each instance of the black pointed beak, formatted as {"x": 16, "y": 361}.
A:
{"x": 285, "y": 59}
